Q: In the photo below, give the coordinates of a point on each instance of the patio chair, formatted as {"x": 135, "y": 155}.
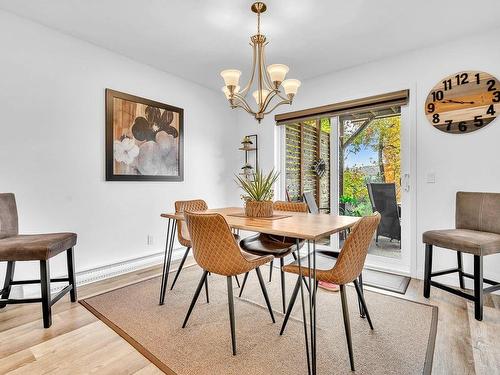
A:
{"x": 383, "y": 200}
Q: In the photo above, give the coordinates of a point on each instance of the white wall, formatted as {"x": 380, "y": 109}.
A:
{"x": 52, "y": 144}
{"x": 468, "y": 162}
{"x": 52, "y": 139}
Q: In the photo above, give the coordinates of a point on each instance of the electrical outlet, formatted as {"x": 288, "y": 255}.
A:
{"x": 431, "y": 178}
{"x": 150, "y": 239}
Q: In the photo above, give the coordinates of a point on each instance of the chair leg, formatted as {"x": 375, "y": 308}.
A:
{"x": 290, "y": 305}
{"x": 243, "y": 284}
{"x": 478, "y": 287}
{"x": 180, "y": 267}
{"x": 206, "y": 289}
{"x": 45, "y": 288}
{"x": 360, "y": 305}
{"x": 361, "y": 299}
{"x": 230, "y": 301}
{"x": 195, "y": 297}
{"x": 283, "y": 295}
{"x": 428, "y": 270}
{"x": 460, "y": 269}
{"x": 9, "y": 276}
{"x": 237, "y": 281}
{"x": 264, "y": 292}
{"x": 347, "y": 324}
{"x": 71, "y": 274}
{"x": 271, "y": 270}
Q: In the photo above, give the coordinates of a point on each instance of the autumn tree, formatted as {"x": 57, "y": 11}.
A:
{"x": 382, "y": 135}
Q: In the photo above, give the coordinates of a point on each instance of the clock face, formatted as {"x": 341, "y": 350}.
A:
{"x": 463, "y": 102}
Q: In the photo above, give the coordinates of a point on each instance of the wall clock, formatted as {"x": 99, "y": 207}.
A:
{"x": 463, "y": 102}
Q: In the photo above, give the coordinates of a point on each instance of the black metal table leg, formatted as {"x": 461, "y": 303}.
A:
{"x": 311, "y": 292}
{"x": 169, "y": 245}
{"x": 303, "y": 310}
{"x": 314, "y": 296}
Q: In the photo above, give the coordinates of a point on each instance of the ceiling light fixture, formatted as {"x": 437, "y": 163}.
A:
{"x": 270, "y": 79}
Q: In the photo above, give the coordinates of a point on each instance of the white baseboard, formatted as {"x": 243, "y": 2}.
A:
{"x": 101, "y": 273}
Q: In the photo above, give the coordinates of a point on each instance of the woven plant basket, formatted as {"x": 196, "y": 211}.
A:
{"x": 259, "y": 208}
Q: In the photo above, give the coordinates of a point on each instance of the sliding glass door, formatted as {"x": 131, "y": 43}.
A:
{"x": 372, "y": 176}
{"x": 353, "y": 164}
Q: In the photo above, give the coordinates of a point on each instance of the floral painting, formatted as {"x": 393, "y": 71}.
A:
{"x": 143, "y": 139}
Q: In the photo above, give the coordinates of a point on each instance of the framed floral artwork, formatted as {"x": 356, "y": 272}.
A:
{"x": 144, "y": 139}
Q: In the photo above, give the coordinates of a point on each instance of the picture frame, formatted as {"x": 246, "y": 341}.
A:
{"x": 144, "y": 139}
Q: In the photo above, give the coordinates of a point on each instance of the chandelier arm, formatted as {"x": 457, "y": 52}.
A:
{"x": 268, "y": 99}
{"x": 250, "y": 81}
{"x": 281, "y": 96}
{"x": 242, "y": 103}
{"x": 246, "y": 108}
{"x": 277, "y": 105}
{"x": 267, "y": 78}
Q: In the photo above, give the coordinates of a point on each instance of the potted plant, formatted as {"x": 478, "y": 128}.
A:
{"x": 259, "y": 193}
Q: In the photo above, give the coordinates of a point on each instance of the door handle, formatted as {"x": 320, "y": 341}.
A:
{"x": 406, "y": 182}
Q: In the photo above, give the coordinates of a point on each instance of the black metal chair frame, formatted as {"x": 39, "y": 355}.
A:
{"x": 230, "y": 302}
{"x": 478, "y": 295}
{"x": 179, "y": 269}
{"x": 46, "y": 298}
{"x": 345, "y": 311}
{"x": 313, "y": 208}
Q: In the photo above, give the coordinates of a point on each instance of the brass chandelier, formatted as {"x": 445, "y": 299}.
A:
{"x": 270, "y": 79}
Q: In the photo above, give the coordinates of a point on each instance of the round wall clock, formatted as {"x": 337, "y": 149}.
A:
{"x": 463, "y": 102}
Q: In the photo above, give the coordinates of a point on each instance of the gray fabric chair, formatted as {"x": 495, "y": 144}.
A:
{"x": 477, "y": 232}
{"x": 39, "y": 247}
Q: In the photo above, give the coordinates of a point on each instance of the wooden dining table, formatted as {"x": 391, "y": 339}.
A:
{"x": 298, "y": 225}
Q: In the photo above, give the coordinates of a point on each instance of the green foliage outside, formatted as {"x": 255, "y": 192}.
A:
{"x": 383, "y": 137}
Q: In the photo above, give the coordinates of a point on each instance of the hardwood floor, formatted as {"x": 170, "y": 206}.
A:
{"x": 78, "y": 343}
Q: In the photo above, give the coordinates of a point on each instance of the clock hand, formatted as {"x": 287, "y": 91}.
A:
{"x": 456, "y": 101}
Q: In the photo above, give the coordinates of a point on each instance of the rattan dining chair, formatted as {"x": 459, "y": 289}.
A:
{"x": 216, "y": 250}
{"x": 277, "y": 246}
{"x": 345, "y": 270}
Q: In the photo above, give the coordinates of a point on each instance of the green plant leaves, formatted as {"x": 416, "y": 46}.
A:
{"x": 260, "y": 188}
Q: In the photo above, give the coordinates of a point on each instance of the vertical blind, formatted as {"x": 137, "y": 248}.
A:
{"x": 308, "y": 142}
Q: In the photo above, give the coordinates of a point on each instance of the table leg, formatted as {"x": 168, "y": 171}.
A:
{"x": 169, "y": 245}
{"x": 314, "y": 292}
{"x": 303, "y": 311}
{"x": 311, "y": 305}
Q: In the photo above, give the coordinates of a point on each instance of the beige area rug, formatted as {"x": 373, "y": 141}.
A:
{"x": 402, "y": 342}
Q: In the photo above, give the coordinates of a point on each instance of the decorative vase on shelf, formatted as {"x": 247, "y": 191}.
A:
{"x": 259, "y": 193}
{"x": 246, "y": 144}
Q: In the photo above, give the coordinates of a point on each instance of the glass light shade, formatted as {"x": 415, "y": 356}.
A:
{"x": 255, "y": 94}
{"x": 277, "y": 72}
{"x": 231, "y": 77}
{"x": 226, "y": 92}
{"x": 291, "y": 86}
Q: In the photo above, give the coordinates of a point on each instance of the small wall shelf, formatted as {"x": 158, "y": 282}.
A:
{"x": 251, "y": 148}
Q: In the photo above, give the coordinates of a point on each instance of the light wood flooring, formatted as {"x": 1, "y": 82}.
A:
{"x": 78, "y": 343}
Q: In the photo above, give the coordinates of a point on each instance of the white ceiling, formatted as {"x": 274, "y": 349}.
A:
{"x": 196, "y": 39}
